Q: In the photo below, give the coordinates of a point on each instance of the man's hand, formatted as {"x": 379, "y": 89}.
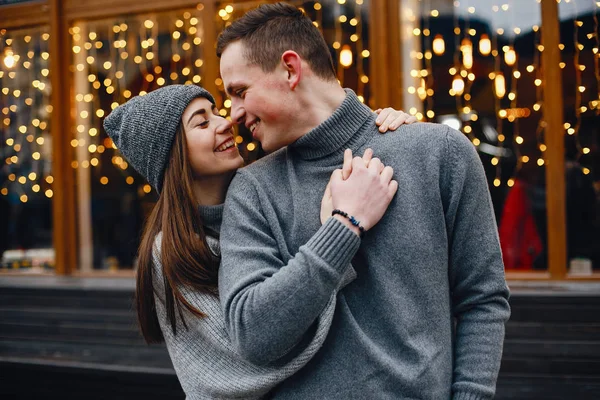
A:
{"x": 365, "y": 194}
{"x": 327, "y": 201}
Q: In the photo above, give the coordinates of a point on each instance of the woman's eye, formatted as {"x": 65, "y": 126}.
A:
{"x": 203, "y": 124}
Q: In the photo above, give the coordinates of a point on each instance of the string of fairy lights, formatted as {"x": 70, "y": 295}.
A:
{"x": 24, "y": 103}
{"x": 495, "y": 48}
{"x": 595, "y": 104}
{"x": 116, "y": 59}
{"x": 120, "y": 59}
{"x": 579, "y": 89}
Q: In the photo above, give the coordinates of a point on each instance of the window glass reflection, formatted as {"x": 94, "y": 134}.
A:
{"x": 475, "y": 66}
{"x": 26, "y": 179}
{"x": 579, "y": 29}
{"x": 113, "y": 61}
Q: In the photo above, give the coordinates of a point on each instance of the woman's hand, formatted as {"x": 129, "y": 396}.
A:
{"x": 389, "y": 119}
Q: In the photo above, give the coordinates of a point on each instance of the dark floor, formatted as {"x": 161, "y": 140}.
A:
{"x": 73, "y": 338}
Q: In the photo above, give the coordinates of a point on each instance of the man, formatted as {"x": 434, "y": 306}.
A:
{"x": 425, "y": 317}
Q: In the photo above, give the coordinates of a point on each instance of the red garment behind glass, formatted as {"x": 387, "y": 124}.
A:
{"x": 519, "y": 238}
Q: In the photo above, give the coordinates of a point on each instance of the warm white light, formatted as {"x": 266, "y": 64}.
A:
{"x": 451, "y": 121}
{"x": 458, "y": 85}
{"x": 439, "y": 46}
{"x": 467, "y": 51}
{"x": 9, "y": 58}
{"x": 346, "y": 56}
{"x": 499, "y": 85}
{"x": 510, "y": 57}
{"x": 485, "y": 45}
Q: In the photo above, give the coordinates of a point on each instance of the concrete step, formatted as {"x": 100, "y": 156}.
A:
{"x": 546, "y": 387}
{"x": 589, "y": 331}
{"x": 34, "y": 379}
{"x": 108, "y": 354}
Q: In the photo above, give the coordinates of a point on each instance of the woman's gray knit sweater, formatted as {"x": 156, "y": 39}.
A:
{"x": 204, "y": 359}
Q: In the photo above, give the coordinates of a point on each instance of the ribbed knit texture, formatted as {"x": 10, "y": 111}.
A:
{"x": 467, "y": 396}
{"x": 212, "y": 216}
{"x": 434, "y": 259}
{"x": 144, "y": 127}
{"x": 204, "y": 360}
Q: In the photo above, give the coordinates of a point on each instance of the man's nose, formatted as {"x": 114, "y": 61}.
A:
{"x": 238, "y": 113}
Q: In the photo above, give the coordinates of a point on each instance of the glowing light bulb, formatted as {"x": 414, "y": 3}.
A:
{"x": 439, "y": 46}
{"x": 9, "y": 58}
{"x": 510, "y": 56}
{"x": 485, "y": 45}
{"x": 466, "y": 47}
{"x": 458, "y": 85}
{"x": 499, "y": 85}
{"x": 346, "y": 56}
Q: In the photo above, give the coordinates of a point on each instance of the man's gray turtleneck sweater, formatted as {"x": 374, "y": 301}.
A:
{"x": 425, "y": 317}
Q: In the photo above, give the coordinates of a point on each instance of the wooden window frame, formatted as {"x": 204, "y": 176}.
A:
{"x": 386, "y": 90}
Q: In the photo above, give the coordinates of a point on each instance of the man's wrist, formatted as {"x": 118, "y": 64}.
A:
{"x": 347, "y": 222}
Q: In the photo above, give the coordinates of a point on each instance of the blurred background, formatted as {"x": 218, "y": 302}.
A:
{"x": 521, "y": 79}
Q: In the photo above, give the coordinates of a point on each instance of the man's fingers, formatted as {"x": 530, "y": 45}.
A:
{"x": 392, "y": 188}
{"x": 375, "y": 165}
{"x": 386, "y": 174}
{"x": 358, "y": 163}
{"x": 335, "y": 175}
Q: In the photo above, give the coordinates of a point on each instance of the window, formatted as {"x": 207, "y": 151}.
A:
{"x": 25, "y": 151}
{"x": 475, "y": 66}
{"x": 579, "y": 44}
{"x": 113, "y": 61}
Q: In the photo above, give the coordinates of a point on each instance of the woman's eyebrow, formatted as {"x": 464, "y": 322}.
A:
{"x": 201, "y": 111}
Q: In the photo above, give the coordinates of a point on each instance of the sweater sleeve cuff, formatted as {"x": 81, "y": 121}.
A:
{"x": 468, "y": 396}
{"x": 335, "y": 244}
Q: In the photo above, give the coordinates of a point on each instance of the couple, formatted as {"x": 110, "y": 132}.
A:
{"x": 297, "y": 288}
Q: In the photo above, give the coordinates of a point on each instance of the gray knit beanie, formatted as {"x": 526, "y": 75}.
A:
{"x": 143, "y": 129}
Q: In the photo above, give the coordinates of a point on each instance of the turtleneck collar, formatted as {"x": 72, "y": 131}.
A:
{"x": 212, "y": 216}
{"x": 337, "y": 132}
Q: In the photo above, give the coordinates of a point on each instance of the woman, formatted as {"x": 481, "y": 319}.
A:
{"x": 176, "y": 139}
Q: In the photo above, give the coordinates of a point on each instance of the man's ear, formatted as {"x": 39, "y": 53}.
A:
{"x": 292, "y": 64}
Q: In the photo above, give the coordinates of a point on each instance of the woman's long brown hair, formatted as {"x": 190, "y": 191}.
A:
{"x": 185, "y": 256}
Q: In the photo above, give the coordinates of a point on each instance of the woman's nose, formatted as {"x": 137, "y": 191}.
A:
{"x": 225, "y": 126}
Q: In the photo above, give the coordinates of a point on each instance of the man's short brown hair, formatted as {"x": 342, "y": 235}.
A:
{"x": 270, "y": 30}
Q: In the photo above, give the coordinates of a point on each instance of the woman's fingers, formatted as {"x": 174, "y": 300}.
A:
{"x": 347, "y": 167}
{"x": 367, "y": 156}
{"x": 389, "y": 119}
